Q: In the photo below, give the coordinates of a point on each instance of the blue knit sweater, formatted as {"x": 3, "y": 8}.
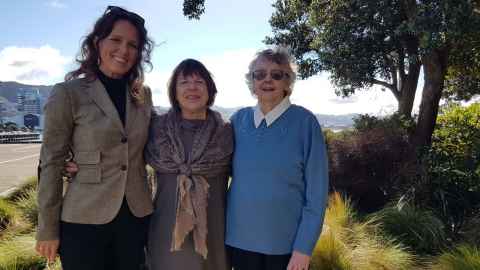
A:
{"x": 277, "y": 198}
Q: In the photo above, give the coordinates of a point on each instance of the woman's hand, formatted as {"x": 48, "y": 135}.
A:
{"x": 70, "y": 169}
{"x": 298, "y": 261}
{"x": 48, "y": 249}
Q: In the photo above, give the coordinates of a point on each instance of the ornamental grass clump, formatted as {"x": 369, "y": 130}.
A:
{"x": 29, "y": 184}
{"x": 464, "y": 257}
{"x": 347, "y": 244}
{"x": 27, "y": 204}
{"x": 418, "y": 229}
{"x": 8, "y": 215}
{"x": 18, "y": 253}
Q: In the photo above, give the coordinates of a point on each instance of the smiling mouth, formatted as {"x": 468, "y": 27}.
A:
{"x": 192, "y": 97}
{"x": 120, "y": 60}
{"x": 268, "y": 89}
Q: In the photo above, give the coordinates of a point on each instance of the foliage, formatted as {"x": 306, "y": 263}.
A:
{"x": 451, "y": 181}
{"x": 22, "y": 190}
{"x": 27, "y": 204}
{"x": 7, "y": 214}
{"x": 18, "y": 253}
{"x": 193, "y": 9}
{"x": 470, "y": 232}
{"x": 416, "y": 228}
{"x": 463, "y": 257}
{"x": 383, "y": 43}
{"x": 346, "y": 243}
{"x": 360, "y": 42}
{"x": 395, "y": 123}
{"x": 371, "y": 163}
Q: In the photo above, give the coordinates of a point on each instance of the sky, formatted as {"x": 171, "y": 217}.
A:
{"x": 40, "y": 39}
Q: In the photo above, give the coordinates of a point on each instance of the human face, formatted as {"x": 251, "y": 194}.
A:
{"x": 119, "y": 50}
{"x": 268, "y": 90}
{"x": 192, "y": 96}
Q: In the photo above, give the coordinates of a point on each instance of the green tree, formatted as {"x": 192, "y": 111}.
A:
{"x": 193, "y": 9}
{"x": 363, "y": 43}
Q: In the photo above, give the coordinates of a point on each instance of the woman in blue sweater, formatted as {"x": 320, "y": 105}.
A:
{"x": 277, "y": 199}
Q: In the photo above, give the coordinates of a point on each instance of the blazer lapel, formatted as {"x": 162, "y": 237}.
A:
{"x": 131, "y": 112}
{"x": 97, "y": 92}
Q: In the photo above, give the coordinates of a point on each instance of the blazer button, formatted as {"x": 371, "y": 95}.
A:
{"x": 124, "y": 140}
{"x": 123, "y": 168}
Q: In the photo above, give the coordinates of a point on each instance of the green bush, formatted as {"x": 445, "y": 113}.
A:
{"x": 463, "y": 257}
{"x": 450, "y": 184}
{"x": 415, "y": 228}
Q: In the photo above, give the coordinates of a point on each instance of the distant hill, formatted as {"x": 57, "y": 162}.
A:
{"x": 336, "y": 122}
{"x": 9, "y": 90}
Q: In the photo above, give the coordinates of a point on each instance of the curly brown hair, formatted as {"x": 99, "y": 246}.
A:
{"x": 89, "y": 52}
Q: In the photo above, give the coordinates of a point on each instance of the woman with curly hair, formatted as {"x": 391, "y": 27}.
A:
{"x": 100, "y": 115}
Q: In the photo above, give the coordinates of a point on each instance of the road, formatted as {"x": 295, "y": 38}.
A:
{"x": 17, "y": 162}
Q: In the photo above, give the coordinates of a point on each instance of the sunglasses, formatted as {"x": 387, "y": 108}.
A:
{"x": 114, "y": 10}
{"x": 275, "y": 74}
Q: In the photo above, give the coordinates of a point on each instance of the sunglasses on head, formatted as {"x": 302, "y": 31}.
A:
{"x": 114, "y": 10}
{"x": 275, "y": 74}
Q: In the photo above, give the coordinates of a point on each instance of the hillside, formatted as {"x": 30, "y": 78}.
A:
{"x": 9, "y": 90}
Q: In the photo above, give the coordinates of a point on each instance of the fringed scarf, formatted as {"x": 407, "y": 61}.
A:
{"x": 210, "y": 155}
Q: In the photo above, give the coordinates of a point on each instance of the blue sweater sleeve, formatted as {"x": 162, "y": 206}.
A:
{"x": 316, "y": 187}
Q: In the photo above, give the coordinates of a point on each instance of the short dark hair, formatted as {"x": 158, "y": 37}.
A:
{"x": 186, "y": 68}
{"x": 89, "y": 52}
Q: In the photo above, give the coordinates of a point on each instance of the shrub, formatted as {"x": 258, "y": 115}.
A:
{"x": 415, "y": 228}
{"x": 471, "y": 232}
{"x": 463, "y": 257}
{"x": 370, "y": 166}
{"x": 346, "y": 243}
{"x": 450, "y": 184}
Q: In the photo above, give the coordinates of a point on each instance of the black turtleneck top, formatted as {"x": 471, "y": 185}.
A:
{"x": 117, "y": 90}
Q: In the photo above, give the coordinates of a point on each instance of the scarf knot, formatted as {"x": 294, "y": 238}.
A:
{"x": 185, "y": 170}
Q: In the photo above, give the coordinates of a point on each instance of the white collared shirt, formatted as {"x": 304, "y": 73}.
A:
{"x": 272, "y": 115}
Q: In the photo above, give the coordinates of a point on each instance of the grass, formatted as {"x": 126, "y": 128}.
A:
{"x": 348, "y": 244}
{"x": 8, "y": 215}
{"x": 464, "y": 257}
{"x": 18, "y": 253}
{"x": 416, "y": 228}
{"x": 27, "y": 203}
{"x": 29, "y": 184}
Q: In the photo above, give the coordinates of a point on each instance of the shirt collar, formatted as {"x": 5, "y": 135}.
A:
{"x": 272, "y": 115}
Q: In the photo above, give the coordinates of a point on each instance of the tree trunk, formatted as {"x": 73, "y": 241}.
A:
{"x": 408, "y": 90}
{"x": 434, "y": 67}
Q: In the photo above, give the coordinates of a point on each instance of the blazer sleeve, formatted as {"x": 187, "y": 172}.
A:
{"x": 316, "y": 187}
{"x": 55, "y": 149}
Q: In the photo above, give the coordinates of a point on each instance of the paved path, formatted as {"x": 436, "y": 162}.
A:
{"x": 17, "y": 162}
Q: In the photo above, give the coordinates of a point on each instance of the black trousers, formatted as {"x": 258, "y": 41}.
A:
{"x": 248, "y": 260}
{"x": 118, "y": 245}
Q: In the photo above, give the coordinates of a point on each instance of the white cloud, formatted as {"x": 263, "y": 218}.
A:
{"x": 56, "y": 4}
{"x": 44, "y": 65}
{"x": 157, "y": 80}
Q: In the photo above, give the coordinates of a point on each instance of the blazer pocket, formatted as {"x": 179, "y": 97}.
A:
{"x": 89, "y": 171}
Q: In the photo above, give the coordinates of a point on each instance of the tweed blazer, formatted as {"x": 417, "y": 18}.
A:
{"x": 80, "y": 118}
